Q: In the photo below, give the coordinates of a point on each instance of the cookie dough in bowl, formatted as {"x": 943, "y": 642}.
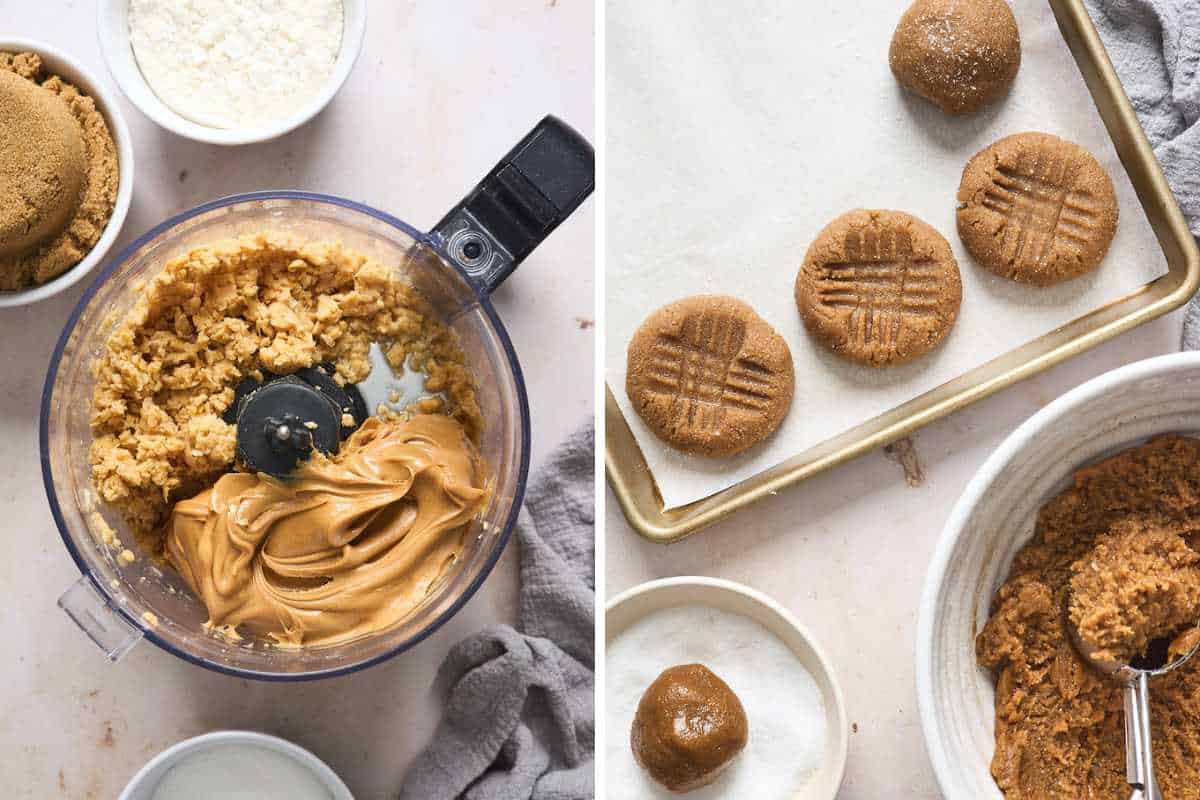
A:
{"x": 1028, "y": 487}
{"x": 361, "y": 547}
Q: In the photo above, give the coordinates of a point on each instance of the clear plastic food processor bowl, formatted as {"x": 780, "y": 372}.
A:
{"x": 120, "y": 604}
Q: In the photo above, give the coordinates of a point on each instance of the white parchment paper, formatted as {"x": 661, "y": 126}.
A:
{"x": 736, "y": 131}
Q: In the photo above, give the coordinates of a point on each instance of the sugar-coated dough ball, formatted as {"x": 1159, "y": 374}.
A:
{"x": 688, "y": 728}
{"x": 960, "y": 55}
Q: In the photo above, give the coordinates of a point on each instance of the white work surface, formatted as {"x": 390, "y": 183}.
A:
{"x": 847, "y": 552}
{"x": 440, "y": 92}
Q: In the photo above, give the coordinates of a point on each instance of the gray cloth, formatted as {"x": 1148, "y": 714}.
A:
{"x": 1155, "y": 46}
{"x": 520, "y": 721}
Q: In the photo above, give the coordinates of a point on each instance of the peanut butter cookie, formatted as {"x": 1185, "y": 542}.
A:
{"x": 879, "y": 287}
{"x": 709, "y": 376}
{"x": 961, "y": 55}
{"x": 1037, "y": 209}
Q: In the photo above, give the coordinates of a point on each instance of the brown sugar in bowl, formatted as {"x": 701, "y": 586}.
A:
{"x": 55, "y": 62}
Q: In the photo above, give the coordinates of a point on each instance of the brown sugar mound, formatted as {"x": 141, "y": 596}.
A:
{"x": 60, "y": 173}
{"x": 235, "y": 309}
{"x": 879, "y": 287}
{"x": 709, "y": 376}
{"x": 1037, "y": 209}
{"x": 1060, "y": 729}
{"x": 961, "y": 55}
{"x": 1139, "y": 584}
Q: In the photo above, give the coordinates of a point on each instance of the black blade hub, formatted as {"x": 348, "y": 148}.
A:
{"x": 283, "y": 419}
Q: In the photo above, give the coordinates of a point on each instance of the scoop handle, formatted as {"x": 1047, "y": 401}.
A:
{"x": 1139, "y": 755}
{"x": 520, "y": 202}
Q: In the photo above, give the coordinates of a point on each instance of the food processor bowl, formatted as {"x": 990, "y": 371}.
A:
{"x": 118, "y": 604}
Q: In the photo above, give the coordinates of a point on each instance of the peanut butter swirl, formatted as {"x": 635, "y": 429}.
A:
{"x": 347, "y": 547}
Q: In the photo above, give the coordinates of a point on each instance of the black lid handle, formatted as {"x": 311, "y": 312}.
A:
{"x": 519, "y": 203}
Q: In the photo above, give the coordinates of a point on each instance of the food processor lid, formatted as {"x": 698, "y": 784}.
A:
{"x": 520, "y": 202}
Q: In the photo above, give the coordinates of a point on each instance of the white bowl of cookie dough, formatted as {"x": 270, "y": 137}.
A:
{"x": 995, "y": 517}
{"x": 112, "y": 25}
{"x": 206, "y": 766}
{"x": 59, "y": 63}
{"x": 628, "y": 608}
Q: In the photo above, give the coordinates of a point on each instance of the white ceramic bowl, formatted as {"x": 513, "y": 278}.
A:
{"x": 112, "y": 25}
{"x": 631, "y": 606}
{"x": 995, "y": 517}
{"x": 58, "y": 63}
{"x": 146, "y": 781}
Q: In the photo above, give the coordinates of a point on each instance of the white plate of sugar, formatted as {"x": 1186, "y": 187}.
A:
{"x": 798, "y": 731}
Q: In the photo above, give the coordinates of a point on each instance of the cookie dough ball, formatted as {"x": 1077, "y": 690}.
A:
{"x": 709, "y": 376}
{"x": 688, "y": 728}
{"x": 961, "y": 55}
{"x": 879, "y": 287}
{"x": 1140, "y": 583}
{"x": 1037, "y": 209}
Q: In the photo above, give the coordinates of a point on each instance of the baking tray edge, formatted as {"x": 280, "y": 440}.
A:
{"x": 630, "y": 477}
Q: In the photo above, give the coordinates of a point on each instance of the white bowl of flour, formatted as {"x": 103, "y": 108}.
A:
{"x": 798, "y": 730}
{"x": 231, "y": 71}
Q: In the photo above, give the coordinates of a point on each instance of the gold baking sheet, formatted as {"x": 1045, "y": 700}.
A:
{"x": 633, "y": 484}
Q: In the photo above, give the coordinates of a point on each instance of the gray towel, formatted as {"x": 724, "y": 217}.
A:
{"x": 520, "y": 721}
{"x": 1155, "y": 46}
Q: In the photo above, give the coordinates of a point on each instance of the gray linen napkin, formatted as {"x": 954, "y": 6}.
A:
{"x": 1155, "y": 46}
{"x": 520, "y": 722}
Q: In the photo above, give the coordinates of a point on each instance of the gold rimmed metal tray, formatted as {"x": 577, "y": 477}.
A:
{"x": 626, "y": 467}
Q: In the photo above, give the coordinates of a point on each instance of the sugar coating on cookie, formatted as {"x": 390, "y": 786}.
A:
{"x": 1037, "y": 209}
{"x": 879, "y": 287}
{"x": 709, "y": 376}
{"x": 961, "y": 55}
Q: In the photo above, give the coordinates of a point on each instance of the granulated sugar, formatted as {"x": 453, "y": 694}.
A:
{"x": 236, "y": 63}
{"x": 783, "y": 703}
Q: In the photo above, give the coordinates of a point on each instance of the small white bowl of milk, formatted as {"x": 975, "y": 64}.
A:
{"x": 236, "y": 765}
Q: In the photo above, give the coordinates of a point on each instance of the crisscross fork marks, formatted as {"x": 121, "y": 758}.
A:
{"x": 1040, "y": 208}
{"x": 700, "y": 370}
{"x": 882, "y": 284}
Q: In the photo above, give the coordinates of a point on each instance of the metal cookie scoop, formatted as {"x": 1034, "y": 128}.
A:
{"x": 1135, "y": 677}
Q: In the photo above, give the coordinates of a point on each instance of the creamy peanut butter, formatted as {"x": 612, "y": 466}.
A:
{"x": 350, "y": 545}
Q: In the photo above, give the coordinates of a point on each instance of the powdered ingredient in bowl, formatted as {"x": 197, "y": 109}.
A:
{"x": 58, "y": 173}
{"x": 1060, "y": 730}
{"x": 236, "y": 63}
